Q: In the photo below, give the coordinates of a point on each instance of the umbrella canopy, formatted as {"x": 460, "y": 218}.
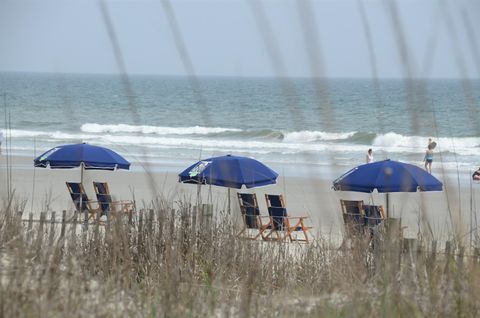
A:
{"x": 387, "y": 176}
{"x": 229, "y": 171}
{"x": 85, "y": 155}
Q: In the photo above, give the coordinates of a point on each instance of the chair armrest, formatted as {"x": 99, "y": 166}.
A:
{"x": 89, "y": 201}
{"x": 122, "y": 204}
{"x": 370, "y": 218}
{"x": 296, "y": 217}
{"x": 296, "y": 224}
{"x": 355, "y": 214}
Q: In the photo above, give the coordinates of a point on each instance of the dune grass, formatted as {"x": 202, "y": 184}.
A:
{"x": 173, "y": 267}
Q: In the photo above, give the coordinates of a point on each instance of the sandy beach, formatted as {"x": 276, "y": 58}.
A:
{"x": 437, "y": 212}
{"x": 310, "y": 89}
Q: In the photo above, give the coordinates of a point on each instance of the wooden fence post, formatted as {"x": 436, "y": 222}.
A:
{"x": 19, "y": 215}
{"x": 52, "y": 229}
{"x": 410, "y": 247}
{"x": 461, "y": 254}
{"x": 387, "y": 250}
{"x": 394, "y": 236}
{"x": 151, "y": 217}
{"x": 196, "y": 210}
{"x": 96, "y": 231}
{"x": 448, "y": 248}
{"x": 40, "y": 230}
{"x": 85, "y": 227}
{"x": 172, "y": 223}
{"x": 476, "y": 255}
{"x": 64, "y": 220}
{"x": 140, "y": 227}
{"x": 207, "y": 215}
{"x": 432, "y": 255}
{"x": 160, "y": 222}
{"x": 29, "y": 227}
{"x": 448, "y": 254}
{"x": 73, "y": 229}
{"x": 130, "y": 217}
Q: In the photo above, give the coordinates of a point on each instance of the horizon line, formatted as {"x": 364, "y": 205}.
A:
{"x": 237, "y": 76}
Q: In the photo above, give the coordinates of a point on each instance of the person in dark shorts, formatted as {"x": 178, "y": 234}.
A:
{"x": 428, "y": 160}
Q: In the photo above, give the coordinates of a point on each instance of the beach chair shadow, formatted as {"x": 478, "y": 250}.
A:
{"x": 77, "y": 191}
{"x": 281, "y": 224}
{"x": 106, "y": 203}
{"x": 251, "y": 216}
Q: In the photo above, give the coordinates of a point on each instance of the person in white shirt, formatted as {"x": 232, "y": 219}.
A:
{"x": 1, "y": 140}
{"x": 369, "y": 157}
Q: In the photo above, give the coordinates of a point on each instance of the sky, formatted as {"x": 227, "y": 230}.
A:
{"x": 409, "y": 38}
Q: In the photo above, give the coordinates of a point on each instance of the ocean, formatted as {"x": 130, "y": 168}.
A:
{"x": 287, "y": 123}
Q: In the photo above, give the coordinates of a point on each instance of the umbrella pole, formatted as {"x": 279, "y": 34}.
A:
{"x": 387, "y": 203}
{"x": 228, "y": 200}
{"x": 85, "y": 212}
{"x": 198, "y": 195}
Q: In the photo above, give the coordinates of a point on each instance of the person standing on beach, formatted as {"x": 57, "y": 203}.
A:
{"x": 369, "y": 157}
{"x": 428, "y": 159}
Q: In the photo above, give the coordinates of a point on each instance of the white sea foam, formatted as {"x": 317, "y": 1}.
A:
{"x": 53, "y": 135}
{"x": 310, "y": 136}
{"x": 205, "y": 142}
{"x": 159, "y": 130}
{"x": 398, "y": 143}
{"x": 393, "y": 145}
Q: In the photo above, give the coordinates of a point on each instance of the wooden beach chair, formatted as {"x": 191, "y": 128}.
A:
{"x": 77, "y": 191}
{"x": 107, "y": 205}
{"x": 281, "y": 222}
{"x": 354, "y": 217}
{"x": 251, "y": 216}
{"x": 374, "y": 215}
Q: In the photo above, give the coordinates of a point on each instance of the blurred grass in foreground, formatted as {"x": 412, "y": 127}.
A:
{"x": 170, "y": 263}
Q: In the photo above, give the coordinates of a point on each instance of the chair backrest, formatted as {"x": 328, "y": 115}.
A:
{"x": 374, "y": 214}
{"x": 249, "y": 208}
{"x": 276, "y": 210}
{"x": 353, "y": 208}
{"x": 77, "y": 191}
{"x": 353, "y": 214}
{"x": 103, "y": 195}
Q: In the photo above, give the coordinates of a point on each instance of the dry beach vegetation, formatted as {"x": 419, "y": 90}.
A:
{"x": 174, "y": 263}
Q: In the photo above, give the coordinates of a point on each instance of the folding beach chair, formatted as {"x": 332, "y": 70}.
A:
{"x": 77, "y": 191}
{"x": 107, "y": 205}
{"x": 353, "y": 216}
{"x": 374, "y": 216}
{"x": 281, "y": 222}
{"x": 250, "y": 215}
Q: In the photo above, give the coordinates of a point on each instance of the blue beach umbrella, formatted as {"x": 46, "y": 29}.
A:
{"x": 229, "y": 171}
{"x": 387, "y": 176}
{"x": 82, "y": 155}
